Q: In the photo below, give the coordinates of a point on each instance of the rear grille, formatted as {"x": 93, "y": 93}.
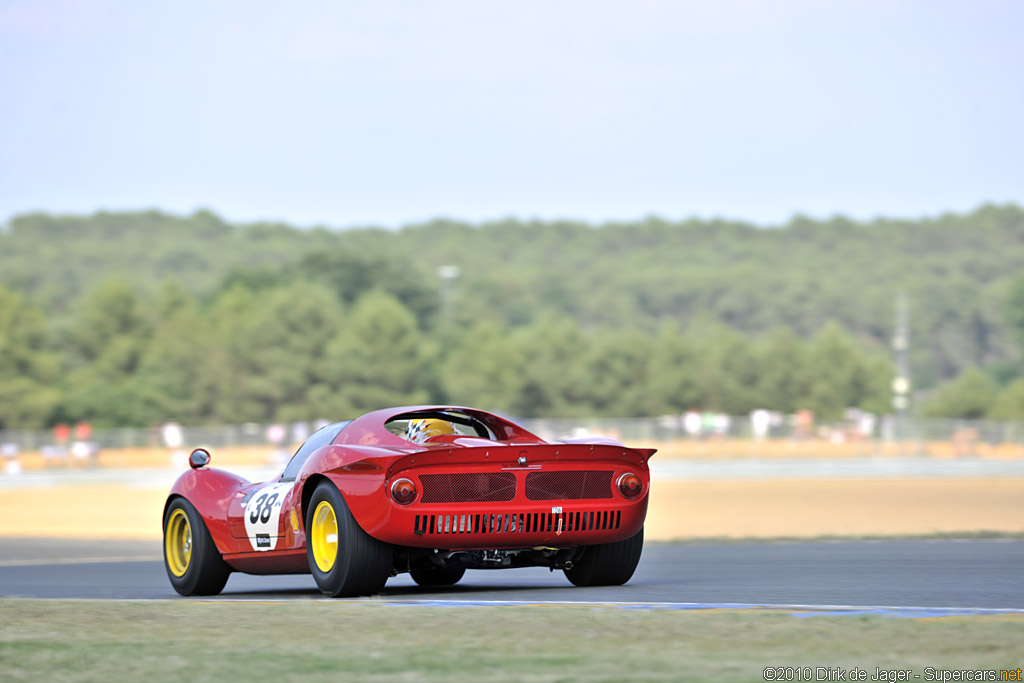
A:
{"x": 484, "y": 487}
{"x": 568, "y": 485}
{"x": 511, "y": 523}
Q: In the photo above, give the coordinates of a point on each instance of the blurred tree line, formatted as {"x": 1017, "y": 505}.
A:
{"x": 129, "y": 319}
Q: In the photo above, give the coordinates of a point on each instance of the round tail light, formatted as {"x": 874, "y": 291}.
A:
{"x": 403, "y": 491}
{"x": 630, "y": 485}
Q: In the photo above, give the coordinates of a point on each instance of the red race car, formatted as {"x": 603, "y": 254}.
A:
{"x": 429, "y": 490}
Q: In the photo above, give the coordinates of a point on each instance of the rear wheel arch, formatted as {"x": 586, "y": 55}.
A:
{"x": 308, "y": 487}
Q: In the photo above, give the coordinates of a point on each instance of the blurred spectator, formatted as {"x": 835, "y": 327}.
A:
{"x": 860, "y": 424}
{"x": 83, "y": 448}
{"x": 11, "y": 464}
{"x": 692, "y": 423}
{"x": 59, "y": 451}
{"x": 721, "y": 423}
{"x": 171, "y": 432}
{"x": 866, "y": 424}
{"x": 275, "y": 434}
{"x": 760, "y": 423}
{"x": 61, "y": 434}
{"x": 964, "y": 441}
{"x": 803, "y": 424}
{"x": 173, "y": 440}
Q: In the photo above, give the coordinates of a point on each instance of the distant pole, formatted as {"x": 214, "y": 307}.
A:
{"x": 901, "y": 381}
{"x": 449, "y": 274}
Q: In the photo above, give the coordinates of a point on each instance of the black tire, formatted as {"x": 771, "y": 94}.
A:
{"x": 607, "y": 564}
{"x": 193, "y": 563}
{"x": 433, "y": 575}
{"x": 361, "y": 565}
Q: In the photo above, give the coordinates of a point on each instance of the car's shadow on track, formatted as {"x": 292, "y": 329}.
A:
{"x": 506, "y": 591}
{"x": 271, "y": 594}
{"x": 460, "y": 590}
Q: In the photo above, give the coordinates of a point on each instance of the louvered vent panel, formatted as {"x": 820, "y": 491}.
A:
{"x": 505, "y": 523}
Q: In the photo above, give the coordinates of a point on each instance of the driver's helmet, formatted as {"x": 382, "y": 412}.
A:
{"x": 418, "y": 431}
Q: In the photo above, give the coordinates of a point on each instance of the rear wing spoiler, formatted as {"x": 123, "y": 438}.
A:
{"x": 516, "y": 456}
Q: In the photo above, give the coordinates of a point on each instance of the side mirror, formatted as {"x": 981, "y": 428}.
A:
{"x": 200, "y": 457}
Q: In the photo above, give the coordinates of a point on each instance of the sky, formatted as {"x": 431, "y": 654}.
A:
{"x": 343, "y": 113}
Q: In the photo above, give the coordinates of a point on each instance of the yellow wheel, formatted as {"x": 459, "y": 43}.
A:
{"x": 343, "y": 559}
{"x": 324, "y": 536}
{"x": 193, "y": 563}
{"x": 178, "y": 542}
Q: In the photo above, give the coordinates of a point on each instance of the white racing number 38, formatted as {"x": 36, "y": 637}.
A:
{"x": 263, "y": 514}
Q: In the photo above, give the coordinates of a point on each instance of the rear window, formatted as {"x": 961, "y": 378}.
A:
{"x": 461, "y": 424}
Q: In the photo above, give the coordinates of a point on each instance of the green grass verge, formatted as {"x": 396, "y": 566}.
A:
{"x": 936, "y": 536}
{"x": 63, "y": 640}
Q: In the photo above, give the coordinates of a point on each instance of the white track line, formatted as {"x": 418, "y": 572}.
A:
{"x": 668, "y": 606}
{"x": 80, "y": 560}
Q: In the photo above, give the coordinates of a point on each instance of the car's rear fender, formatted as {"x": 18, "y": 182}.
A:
{"x": 210, "y": 491}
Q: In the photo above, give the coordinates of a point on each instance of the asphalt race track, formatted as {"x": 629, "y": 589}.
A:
{"x": 939, "y": 573}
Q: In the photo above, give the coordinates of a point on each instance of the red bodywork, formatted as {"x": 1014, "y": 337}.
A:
{"x": 512, "y": 491}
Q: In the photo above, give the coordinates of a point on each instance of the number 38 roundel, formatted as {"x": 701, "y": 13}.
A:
{"x": 262, "y": 514}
